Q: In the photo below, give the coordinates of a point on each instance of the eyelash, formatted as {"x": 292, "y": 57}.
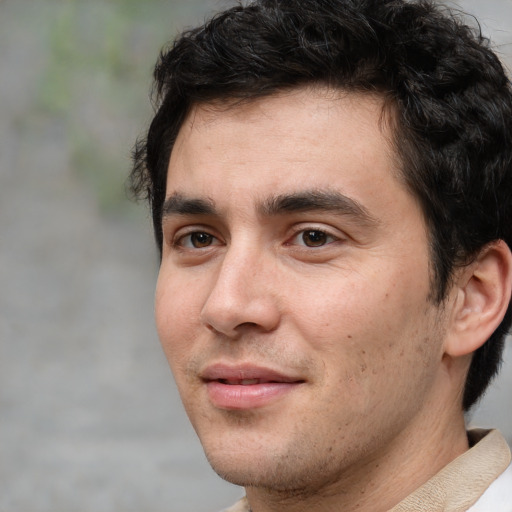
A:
{"x": 327, "y": 237}
{"x": 185, "y": 241}
{"x": 179, "y": 241}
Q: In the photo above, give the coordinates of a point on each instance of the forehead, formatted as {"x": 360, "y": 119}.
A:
{"x": 311, "y": 138}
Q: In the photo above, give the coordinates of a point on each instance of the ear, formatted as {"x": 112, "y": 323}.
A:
{"x": 483, "y": 290}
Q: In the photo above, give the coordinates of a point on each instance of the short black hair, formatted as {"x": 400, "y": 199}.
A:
{"x": 451, "y": 99}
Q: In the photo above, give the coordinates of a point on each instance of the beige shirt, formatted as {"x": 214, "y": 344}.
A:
{"x": 459, "y": 485}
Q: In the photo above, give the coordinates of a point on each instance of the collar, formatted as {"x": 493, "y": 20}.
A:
{"x": 461, "y": 483}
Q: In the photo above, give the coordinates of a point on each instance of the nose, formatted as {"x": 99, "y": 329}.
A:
{"x": 243, "y": 295}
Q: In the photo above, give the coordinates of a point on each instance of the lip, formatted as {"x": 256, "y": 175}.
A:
{"x": 246, "y": 386}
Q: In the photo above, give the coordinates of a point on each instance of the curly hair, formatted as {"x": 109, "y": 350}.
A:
{"x": 451, "y": 102}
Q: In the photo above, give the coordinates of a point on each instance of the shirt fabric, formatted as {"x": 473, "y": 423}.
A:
{"x": 479, "y": 480}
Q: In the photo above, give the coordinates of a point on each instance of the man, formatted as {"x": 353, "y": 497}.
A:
{"x": 331, "y": 191}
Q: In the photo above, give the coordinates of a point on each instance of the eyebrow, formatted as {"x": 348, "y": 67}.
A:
{"x": 297, "y": 202}
{"x": 317, "y": 200}
{"x": 178, "y": 204}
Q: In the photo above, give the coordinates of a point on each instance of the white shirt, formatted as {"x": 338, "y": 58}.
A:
{"x": 498, "y": 497}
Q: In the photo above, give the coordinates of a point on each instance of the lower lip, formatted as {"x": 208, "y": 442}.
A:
{"x": 227, "y": 396}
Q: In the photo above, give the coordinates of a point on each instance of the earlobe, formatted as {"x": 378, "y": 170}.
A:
{"x": 483, "y": 294}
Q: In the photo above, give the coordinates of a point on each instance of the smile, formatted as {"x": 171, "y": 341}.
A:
{"x": 246, "y": 387}
{"x": 244, "y": 382}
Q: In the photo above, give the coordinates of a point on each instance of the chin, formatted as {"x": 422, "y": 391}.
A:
{"x": 277, "y": 471}
{"x": 241, "y": 465}
{"x": 243, "y": 476}
{"x": 248, "y": 475}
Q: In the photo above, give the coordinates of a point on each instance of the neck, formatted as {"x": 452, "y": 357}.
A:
{"x": 383, "y": 479}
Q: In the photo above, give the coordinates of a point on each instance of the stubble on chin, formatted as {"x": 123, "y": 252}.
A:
{"x": 296, "y": 469}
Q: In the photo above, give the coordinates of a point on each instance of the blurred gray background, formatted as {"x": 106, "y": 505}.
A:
{"x": 89, "y": 416}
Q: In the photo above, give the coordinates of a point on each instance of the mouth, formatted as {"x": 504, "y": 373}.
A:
{"x": 247, "y": 387}
{"x": 247, "y": 382}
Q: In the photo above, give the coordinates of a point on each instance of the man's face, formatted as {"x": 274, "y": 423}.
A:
{"x": 292, "y": 300}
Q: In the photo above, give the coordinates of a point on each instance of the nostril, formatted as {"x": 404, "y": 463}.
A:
{"x": 248, "y": 324}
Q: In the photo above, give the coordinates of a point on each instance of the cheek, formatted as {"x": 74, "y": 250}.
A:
{"x": 366, "y": 326}
{"x": 343, "y": 313}
{"x": 177, "y": 316}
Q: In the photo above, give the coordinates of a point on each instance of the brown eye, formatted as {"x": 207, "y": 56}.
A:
{"x": 197, "y": 240}
{"x": 314, "y": 238}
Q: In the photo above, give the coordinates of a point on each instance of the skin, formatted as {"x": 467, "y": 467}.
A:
{"x": 334, "y": 295}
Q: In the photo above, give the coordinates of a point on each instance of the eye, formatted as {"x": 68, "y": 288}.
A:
{"x": 313, "y": 238}
{"x": 197, "y": 240}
